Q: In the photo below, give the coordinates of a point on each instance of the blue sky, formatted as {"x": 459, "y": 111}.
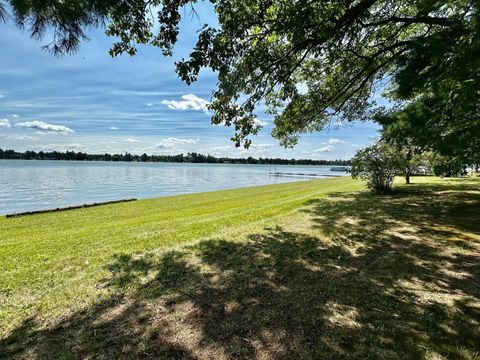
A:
{"x": 94, "y": 103}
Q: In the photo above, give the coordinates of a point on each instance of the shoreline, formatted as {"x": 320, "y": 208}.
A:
{"x": 32, "y": 185}
{"x": 110, "y": 202}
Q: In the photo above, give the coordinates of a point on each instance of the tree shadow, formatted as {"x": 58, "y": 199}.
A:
{"x": 373, "y": 277}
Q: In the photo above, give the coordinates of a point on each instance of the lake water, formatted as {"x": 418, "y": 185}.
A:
{"x": 34, "y": 185}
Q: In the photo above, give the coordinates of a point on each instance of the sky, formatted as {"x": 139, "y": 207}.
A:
{"x": 94, "y": 103}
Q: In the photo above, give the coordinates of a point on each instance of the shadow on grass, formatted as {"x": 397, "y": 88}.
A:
{"x": 373, "y": 277}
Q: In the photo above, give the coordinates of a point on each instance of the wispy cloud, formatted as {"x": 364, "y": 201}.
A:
{"x": 149, "y": 104}
{"x": 1, "y": 96}
{"x": 5, "y": 123}
{"x": 21, "y": 137}
{"x": 259, "y": 122}
{"x": 217, "y": 148}
{"x": 13, "y": 115}
{"x": 261, "y": 146}
{"x": 188, "y": 102}
{"x": 40, "y": 125}
{"x": 171, "y": 142}
{"x": 335, "y": 141}
{"x": 60, "y": 147}
{"x": 117, "y": 92}
{"x": 131, "y": 140}
{"x": 114, "y": 128}
{"x": 328, "y": 148}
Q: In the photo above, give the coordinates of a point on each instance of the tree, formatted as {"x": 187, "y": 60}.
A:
{"x": 425, "y": 126}
{"x": 408, "y": 157}
{"x": 446, "y": 166}
{"x": 377, "y": 164}
{"x": 311, "y": 62}
{"x": 408, "y": 162}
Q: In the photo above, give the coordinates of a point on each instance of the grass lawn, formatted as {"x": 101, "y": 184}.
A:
{"x": 307, "y": 270}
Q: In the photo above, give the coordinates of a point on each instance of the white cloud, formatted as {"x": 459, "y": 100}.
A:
{"x": 13, "y": 115}
{"x": 188, "y": 102}
{"x": 335, "y": 141}
{"x": 130, "y": 140}
{"x": 40, "y": 125}
{"x": 149, "y": 104}
{"x": 259, "y": 122}
{"x": 21, "y": 137}
{"x": 164, "y": 146}
{"x": 328, "y": 148}
{"x": 171, "y": 142}
{"x": 114, "y": 128}
{"x": 5, "y": 123}
{"x": 261, "y": 146}
{"x": 217, "y": 148}
{"x": 60, "y": 147}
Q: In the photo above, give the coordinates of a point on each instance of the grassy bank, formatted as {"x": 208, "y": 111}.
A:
{"x": 313, "y": 269}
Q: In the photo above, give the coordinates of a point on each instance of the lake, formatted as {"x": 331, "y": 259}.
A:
{"x": 33, "y": 185}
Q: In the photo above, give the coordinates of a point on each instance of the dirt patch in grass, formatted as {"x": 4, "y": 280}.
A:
{"x": 351, "y": 275}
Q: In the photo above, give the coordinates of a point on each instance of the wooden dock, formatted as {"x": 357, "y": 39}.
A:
{"x": 68, "y": 208}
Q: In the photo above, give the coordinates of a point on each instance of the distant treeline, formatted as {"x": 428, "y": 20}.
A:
{"x": 189, "y": 158}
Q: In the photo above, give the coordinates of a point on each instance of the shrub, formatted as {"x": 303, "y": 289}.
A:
{"x": 377, "y": 164}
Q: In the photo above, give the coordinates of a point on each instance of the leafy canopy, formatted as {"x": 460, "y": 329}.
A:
{"x": 430, "y": 124}
{"x": 312, "y": 63}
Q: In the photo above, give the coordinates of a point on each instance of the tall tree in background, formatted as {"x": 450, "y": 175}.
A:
{"x": 312, "y": 63}
{"x": 430, "y": 124}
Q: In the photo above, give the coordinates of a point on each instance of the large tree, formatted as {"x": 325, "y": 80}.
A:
{"x": 446, "y": 125}
{"x": 310, "y": 62}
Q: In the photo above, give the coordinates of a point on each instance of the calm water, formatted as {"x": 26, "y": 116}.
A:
{"x": 34, "y": 185}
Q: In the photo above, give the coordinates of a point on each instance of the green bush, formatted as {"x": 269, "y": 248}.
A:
{"x": 377, "y": 164}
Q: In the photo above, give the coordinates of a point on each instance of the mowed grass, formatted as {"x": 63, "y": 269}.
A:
{"x": 314, "y": 269}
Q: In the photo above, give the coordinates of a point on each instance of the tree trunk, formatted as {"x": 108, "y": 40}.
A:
{"x": 407, "y": 178}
